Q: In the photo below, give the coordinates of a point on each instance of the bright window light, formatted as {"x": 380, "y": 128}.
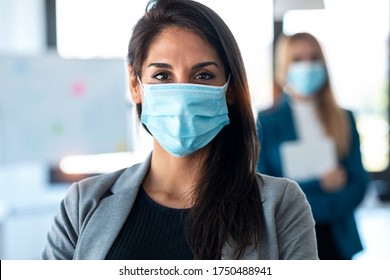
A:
{"x": 91, "y": 28}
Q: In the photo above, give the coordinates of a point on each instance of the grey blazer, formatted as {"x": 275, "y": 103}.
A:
{"x": 93, "y": 212}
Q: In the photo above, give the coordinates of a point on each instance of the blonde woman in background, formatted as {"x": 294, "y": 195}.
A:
{"x": 306, "y": 112}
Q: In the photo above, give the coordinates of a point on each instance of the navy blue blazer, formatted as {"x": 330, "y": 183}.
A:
{"x": 275, "y": 126}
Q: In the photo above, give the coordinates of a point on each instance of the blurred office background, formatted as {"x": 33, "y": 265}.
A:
{"x": 65, "y": 111}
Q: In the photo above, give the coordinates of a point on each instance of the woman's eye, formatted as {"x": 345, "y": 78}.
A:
{"x": 297, "y": 59}
{"x": 204, "y": 76}
{"x": 161, "y": 76}
{"x": 315, "y": 58}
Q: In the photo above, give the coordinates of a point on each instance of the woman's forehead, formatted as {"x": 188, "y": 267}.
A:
{"x": 175, "y": 43}
{"x": 304, "y": 47}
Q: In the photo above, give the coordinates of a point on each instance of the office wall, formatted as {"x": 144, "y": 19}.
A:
{"x": 53, "y": 107}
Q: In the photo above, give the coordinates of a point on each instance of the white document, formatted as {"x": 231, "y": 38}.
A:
{"x": 303, "y": 160}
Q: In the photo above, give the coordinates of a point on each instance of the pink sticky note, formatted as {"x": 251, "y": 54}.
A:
{"x": 79, "y": 88}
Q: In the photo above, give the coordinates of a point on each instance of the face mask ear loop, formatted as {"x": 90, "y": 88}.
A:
{"x": 226, "y": 85}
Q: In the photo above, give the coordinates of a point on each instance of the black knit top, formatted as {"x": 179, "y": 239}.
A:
{"x": 151, "y": 232}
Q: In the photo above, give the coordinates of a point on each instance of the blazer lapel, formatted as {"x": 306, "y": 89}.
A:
{"x": 107, "y": 220}
{"x": 286, "y": 122}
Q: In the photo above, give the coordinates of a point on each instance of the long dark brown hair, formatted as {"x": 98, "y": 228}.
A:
{"x": 227, "y": 208}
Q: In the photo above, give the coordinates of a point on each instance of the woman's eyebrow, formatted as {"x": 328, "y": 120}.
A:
{"x": 196, "y": 66}
{"x": 160, "y": 65}
{"x": 204, "y": 64}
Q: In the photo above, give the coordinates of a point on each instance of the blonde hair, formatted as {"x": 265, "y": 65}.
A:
{"x": 331, "y": 115}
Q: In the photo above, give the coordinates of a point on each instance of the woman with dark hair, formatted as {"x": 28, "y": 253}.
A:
{"x": 197, "y": 196}
{"x": 306, "y": 118}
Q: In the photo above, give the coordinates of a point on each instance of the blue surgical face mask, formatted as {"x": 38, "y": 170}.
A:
{"x": 184, "y": 118}
{"x": 306, "y": 78}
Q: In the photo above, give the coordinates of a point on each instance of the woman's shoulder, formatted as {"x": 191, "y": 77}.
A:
{"x": 288, "y": 219}
{"x": 285, "y": 203}
{"x": 350, "y": 114}
{"x": 277, "y": 109}
{"x": 99, "y": 186}
{"x": 270, "y": 111}
{"x": 274, "y": 190}
{"x": 102, "y": 182}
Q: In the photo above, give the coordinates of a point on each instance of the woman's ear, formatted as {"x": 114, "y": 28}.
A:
{"x": 230, "y": 98}
{"x": 134, "y": 85}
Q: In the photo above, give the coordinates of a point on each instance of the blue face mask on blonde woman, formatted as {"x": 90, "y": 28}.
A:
{"x": 306, "y": 78}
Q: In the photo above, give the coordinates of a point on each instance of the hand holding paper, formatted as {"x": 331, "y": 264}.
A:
{"x": 304, "y": 160}
{"x": 334, "y": 180}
